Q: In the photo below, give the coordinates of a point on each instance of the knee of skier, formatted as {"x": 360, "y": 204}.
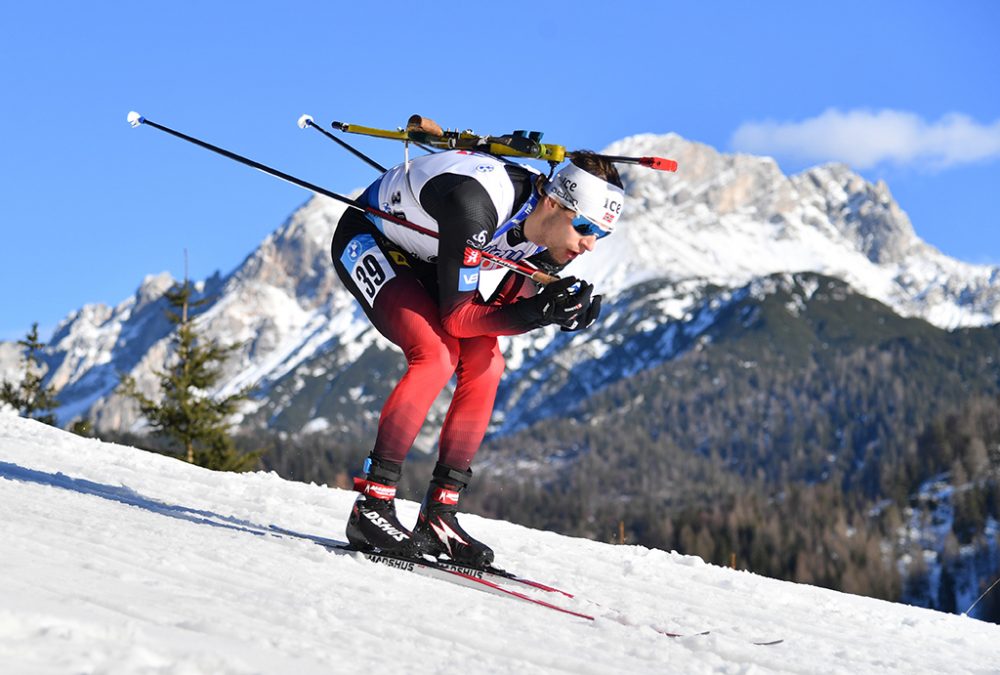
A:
{"x": 496, "y": 365}
{"x": 482, "y": 358}
{"x": 440, "y": 356}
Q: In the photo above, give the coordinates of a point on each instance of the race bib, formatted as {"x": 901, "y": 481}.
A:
{"x": 367, "y": 264}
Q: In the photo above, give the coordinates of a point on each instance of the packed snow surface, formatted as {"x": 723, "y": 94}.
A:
{"x": 122, "y": 561}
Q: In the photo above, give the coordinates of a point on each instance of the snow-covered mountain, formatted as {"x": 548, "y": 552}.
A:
{"x": 728, "y": 219}
{"x": 123, "y": 561}
{"x": 721, "y": 222}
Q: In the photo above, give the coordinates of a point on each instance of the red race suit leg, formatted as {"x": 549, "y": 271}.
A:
{"x": 398, "y": 296}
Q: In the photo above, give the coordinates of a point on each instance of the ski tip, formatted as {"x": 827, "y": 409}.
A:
{"x": 305, "y": 121}
{"x": 135, "y": 119}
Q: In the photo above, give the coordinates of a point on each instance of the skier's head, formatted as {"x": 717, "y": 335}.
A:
{"x": 581, "y": 204}
{"x": 590, "y": 186}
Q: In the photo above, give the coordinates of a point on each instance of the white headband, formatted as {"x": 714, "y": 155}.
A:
{"x": 593, "y": 198}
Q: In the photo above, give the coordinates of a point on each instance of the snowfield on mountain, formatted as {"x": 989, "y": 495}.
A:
{"x": 117, "y": 560}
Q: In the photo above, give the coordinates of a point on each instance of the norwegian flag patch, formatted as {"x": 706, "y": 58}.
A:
{"x": 472, "y": 257}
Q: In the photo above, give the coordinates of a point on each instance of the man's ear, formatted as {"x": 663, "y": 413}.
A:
{"x": 548, "y": 202}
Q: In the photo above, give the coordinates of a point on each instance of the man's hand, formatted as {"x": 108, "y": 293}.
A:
{"x": 585, "y": 319}
{"x": 561, "y": 303}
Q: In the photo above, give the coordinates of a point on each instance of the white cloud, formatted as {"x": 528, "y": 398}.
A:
{"x": 864, "y": 138}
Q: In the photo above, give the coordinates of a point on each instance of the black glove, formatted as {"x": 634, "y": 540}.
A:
{"x": 557, "y": 303}
{"x": 585, "y": 319}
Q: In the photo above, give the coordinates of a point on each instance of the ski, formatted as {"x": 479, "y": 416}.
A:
{"x": 482, "y": 580}
{"x": 492, "y": 580}
{"x": 495, "y": 578}
{"x": 475, "y": 579}
{"x": 492, "y": 574}
{"x": 501, "y": 576}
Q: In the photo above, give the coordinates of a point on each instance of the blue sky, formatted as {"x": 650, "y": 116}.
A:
{"x": 89, "y": 206}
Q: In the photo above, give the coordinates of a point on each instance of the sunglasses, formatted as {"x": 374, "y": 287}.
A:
{"x": 581, "y": 224}
{"x": 587, "y": 228}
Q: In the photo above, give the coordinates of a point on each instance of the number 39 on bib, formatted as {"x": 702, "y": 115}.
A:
{"x": 368, "y": 266}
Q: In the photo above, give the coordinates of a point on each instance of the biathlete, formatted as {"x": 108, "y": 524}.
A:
{"x": 422, "y": 293}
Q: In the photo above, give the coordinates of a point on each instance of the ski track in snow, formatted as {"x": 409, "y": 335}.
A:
{"x": 121, "y": 561}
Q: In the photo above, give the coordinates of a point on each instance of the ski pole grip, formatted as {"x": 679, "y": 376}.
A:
{"x": 659, "y": 163}
{"x": 543, "y": 278}
{"x": 423, "y": 125}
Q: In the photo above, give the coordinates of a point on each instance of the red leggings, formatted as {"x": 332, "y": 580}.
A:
{"x": 405, "y": 312}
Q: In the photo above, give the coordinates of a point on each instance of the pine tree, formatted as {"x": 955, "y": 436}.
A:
{"x": 30, "y": 397}
{"x": 82, "y": 427}
{"x": 186, "y": 412}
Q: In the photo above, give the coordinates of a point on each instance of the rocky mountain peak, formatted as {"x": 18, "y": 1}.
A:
{"x": 153, "y": 287}
{"x": 865, "y": 213}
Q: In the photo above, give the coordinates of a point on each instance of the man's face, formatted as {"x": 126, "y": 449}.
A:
{"x": 554, "y": 230}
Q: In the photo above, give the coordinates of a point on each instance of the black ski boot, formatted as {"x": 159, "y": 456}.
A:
{"x": 373, "y": 525}
{"x": 438, "y": 531}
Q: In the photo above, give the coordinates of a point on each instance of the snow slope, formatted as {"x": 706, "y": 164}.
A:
{"x": 120, "y": 561}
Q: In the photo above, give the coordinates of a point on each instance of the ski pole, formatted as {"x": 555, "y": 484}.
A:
{"x": 973, "y": 605}
{"x": 307, "y": 121}
{"x": 135, "y": 119}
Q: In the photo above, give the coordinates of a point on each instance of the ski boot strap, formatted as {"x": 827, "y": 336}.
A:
{"x": 383, "y": 470}
{"x": 446, "y": 476}
{"x": 370, "y": 488}
{"x": 444, "y": 496}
